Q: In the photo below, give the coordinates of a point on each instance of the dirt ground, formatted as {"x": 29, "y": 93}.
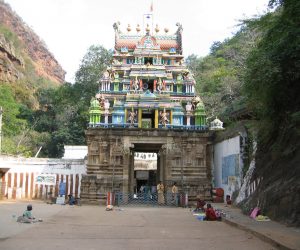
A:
{"x": 91, "y": 227}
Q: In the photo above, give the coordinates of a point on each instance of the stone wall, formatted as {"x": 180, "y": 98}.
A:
{"x": 183, "y": 156}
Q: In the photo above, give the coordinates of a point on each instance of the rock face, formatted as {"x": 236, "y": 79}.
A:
{"x": 8, "y": 61}
{"x": 11, "y": 64}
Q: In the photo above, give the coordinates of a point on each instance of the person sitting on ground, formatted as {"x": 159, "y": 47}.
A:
{"x": 27, "y": 216}
{"x": 210, "y": 213}
{"x": 200, "y": 204}
{"x": 71, "y": 199}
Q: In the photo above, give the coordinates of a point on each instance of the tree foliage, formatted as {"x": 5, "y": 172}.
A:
{"x": 273, "y": 69}
{"x": 38, "y": 115}
{"x": 219, "y": 75}
{"x": 93, "y": 64}
{"x": 64, "y": 111}
{"x": 12, "y": 125}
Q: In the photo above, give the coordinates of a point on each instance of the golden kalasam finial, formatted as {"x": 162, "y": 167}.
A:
{"x": 128, "y": 28}
{"x": 147, "y": 28}
{"x": 156, "y": 28}
{"x": 166, "y": 30}
{"x": 138, "y": 29}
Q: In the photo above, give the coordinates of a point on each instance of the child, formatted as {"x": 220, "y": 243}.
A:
{"x": 27, "y": 216}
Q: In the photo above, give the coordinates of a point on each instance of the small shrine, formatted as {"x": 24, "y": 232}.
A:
{"x": 148, "y": 84}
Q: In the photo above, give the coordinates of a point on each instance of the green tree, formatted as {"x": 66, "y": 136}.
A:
{"x": 272, "y": 89}
{"x": 273, "y": 70}
{"x": 219, "y": 75}
{"x": 93, "y": 64}
{"x": 63, "y": 111}
{"x": 12, "y": 125}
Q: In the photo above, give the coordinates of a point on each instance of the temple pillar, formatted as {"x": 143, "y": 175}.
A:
{"x": 131, "y": 183}
{"x": 141, "y": 85}
{"x": 125, "y": 114}
{"x": 156, "y": 118}
{"x": 188, "y": 120}
{"x": 106, "y": 117}
{"x": 139, "y": 117}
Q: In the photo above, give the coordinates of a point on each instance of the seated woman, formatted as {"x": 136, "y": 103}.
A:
{"x": 210, "y": 213}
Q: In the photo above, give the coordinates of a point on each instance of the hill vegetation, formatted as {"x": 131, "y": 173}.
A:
{"x": 254, "y": 77}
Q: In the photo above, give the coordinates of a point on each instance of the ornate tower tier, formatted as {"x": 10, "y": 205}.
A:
{"x": 148, "y": 74}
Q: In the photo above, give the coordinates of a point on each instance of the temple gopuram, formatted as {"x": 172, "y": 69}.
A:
{"x": 147, "y": 103}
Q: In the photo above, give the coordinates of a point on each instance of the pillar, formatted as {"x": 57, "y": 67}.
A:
{"x": 156, "y": 118}
{"x": 188, "y": 120}
{"x": 140, "y": 118}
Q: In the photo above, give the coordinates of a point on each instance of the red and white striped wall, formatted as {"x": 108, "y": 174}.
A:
{"x": 19, "y": 182}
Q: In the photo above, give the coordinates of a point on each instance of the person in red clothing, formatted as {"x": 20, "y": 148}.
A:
{"x": 200, "y": 204}
{"x": 210, "y": 213}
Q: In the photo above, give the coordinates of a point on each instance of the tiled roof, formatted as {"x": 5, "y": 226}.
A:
{"x": 130, "y": 44}
{"x": 165, "y": 44}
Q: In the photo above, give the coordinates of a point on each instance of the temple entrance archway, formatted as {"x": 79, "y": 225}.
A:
{"x": 181, "y": 156}
{"x": 146, "y": 167}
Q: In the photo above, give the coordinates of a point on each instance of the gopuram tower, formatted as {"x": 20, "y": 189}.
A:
{"x": 146, "y": 104}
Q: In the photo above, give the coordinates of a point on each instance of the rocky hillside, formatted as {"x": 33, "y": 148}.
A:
{"x": 19, "y": 45}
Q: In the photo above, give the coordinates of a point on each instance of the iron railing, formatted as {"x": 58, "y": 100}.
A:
{"x": 150, "y": 199}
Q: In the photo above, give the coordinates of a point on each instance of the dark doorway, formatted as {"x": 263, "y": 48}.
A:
{"x": 148, "y": 85}
{"x": 148, "y": 120}
{"x": 149, "y": 60}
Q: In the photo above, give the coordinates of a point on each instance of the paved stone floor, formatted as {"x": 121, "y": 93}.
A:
{"x": 91, "y": 227}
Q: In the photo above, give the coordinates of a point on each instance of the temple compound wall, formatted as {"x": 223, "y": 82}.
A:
{"x": 228, "y": 165}
{"x": 39, "y": 178}
{"x": 183, "y": 157}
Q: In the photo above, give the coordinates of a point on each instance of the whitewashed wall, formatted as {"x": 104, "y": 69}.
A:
{"x": 224, "y": 149}
{"x": 19, "y": 181}
{"x": 75, "y": 152}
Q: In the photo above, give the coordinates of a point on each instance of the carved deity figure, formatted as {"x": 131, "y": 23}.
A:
{"x": 106, "y": 104}
{"x": 136, "y": 85}
{"x": 195, "y": 101}
{"x": 106, "y": 74}
{"x": 188, "y": 107}
{"x": 132, "y": 117}
{"x": 116, "y": 62}
{"x": 164, "y": 117}
{"x": 159, "y": 85}
{"x": 179, "y": 77}
{"x": 101, "y": 100}
{"x": 116, "y": 76}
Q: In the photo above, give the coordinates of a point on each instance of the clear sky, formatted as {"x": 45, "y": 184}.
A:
{"x": 70, "y": 27}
